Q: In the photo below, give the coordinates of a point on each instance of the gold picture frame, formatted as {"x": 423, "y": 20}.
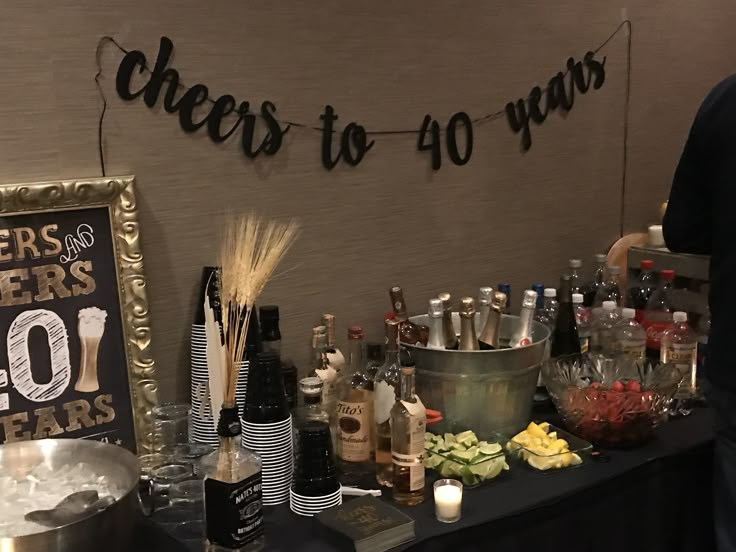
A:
{"x": 117, "y": 194}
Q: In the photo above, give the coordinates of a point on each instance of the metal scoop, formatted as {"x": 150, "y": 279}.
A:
{"x": 72, "y": 508}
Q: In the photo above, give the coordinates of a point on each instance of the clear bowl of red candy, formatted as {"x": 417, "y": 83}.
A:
{"x": 611, "y": 401}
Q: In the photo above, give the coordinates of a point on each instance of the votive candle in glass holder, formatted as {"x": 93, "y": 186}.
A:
{"x": 448, "y": 499}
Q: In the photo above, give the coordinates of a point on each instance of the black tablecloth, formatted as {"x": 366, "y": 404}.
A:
{"x": 656, "y": 497}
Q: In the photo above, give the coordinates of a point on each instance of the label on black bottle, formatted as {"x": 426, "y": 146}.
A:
{"x": 234, "y": 512}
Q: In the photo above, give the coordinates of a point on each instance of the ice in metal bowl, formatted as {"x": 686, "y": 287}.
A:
{"x": 611, "y": 401}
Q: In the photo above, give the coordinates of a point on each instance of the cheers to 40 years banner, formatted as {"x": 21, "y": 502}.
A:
{"x": 262, "y": 132}
{"x": 63, "y": 369}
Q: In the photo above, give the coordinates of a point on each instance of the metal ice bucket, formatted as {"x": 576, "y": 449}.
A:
{"x": 109, "y": 530}
{"x": 486, "y": 391}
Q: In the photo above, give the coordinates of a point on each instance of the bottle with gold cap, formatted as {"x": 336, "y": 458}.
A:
{"x": 334, "y": 355}
{"x": 468, "y": 337}
{"x": 448, "y": 328}
{"x": 387, "y": 389}
{"x": 522, "y": 335}
{"x": 485, "y": 296}
{"x": 490, "y": 333}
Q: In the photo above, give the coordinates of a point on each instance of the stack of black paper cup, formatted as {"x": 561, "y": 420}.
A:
{"x": 267, "y": 426}
{"x": 316, "y": 486}
{"x": 203, "y": 426}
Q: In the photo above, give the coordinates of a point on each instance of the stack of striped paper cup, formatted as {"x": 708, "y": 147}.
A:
{"x": 315, "y": 486}
{"x": 267, "y": 427}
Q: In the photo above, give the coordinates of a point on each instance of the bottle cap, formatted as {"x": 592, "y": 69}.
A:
{"x": 506, "y": 288}
{"x": 435, "y": 308}
{"x": 318, "y": 330}
{"x": 530, "y": 299}
{"x": 656, "y": 237}
{"x": 268, "y": 312}
{"x": 601, "y": 258}
{"x": 609, "y": 305}
{"x": 667, "y": 274}
{"x": 355, "y": 332}
{"x": 445, "y": 298}
{"x": 389, "y": 316}
{"x": 499, "y": 299}
{"x": 311, "y": 386}
{"x": 577, "y": 298}
{"x": 408, "y": 369}
{"x": 575, "y": 263}
{"x": 613, "y": 269}
{"x": 484, "y": 295}
{"x": 550, "y": 292}
{"x": 646, "y": 264}
{"x": 679, "y": 316}
{"x": 467, "y": 307}
{"x": 539, "y": 288}
{"x": 628, "y": 313}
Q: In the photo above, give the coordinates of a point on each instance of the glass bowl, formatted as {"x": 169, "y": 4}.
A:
{"x": 611, "y": 401}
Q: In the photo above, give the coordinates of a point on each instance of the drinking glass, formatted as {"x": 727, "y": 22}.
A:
{"x": 171, "y": 426}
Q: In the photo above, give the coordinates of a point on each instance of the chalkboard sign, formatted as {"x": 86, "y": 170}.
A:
{"x": 74, "y": 332}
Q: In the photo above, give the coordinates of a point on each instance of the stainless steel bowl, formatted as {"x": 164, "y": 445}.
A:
{"x": 486, "y": 391}
{"x": 109, "y": 529}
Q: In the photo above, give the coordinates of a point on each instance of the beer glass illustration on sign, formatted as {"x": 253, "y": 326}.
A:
{"x": 91, "y": 328}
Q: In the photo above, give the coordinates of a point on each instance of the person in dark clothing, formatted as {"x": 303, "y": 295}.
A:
{"x": 701, "y": 218}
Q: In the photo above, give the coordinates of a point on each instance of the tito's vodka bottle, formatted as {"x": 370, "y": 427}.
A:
{"x": 448, "y": 329}
{"x": 355, "y": 418}
{"x": 489, "y": 335}
{"x": 408, "y": 423}
{"x": 468, "y": 337}
{"x": 436, "y": 337}
{"x": 522, "y": 336}
{"x": 386, "y": 391}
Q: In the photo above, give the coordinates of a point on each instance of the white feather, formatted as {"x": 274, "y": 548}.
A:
{"x": 216, "y": 359}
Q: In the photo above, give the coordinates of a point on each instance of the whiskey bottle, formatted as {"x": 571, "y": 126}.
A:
{"x": 468, "y": 337}
{"x": 448, "y": 328}
{"x": 232, "y": 490}
{"x": 355, "y": 419}
{"x": 335, "y": 358}
{"x": 436, "y": 337}
{"x": 408, "y": 331}
{"x": 522, "y": 335}
{"x": 271, "y": 339}
{"x": 485, "y": 297}
{"x": 387, "y": 390}
{"x": 490, "y": 334}
{"x": 408, "y": 424}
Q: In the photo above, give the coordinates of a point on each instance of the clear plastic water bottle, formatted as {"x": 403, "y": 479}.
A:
{"x": 610, "y": 289}
{"x": 629, "y": 337}
{"x": 584, "y": 320}
{"x": 602, "y": 338}
{"x": 680, "y": 347}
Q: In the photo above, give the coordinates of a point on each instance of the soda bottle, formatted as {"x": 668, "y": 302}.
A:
{"x": 642, "y": 289}
{"x": 680, "y": 347}
{"x": 629, "y": 338}
{"x": 658, "y": 314}
{"x": 583, "y": 318}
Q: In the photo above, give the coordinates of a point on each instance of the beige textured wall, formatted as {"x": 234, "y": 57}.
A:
{"x": 391, "y": 220}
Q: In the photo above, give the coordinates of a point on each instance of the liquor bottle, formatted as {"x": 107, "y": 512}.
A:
{"x": 468, "y": 337}
{"x": 271, "y": 339}
{"x": 629, "y": 338}
{"x": 506, "y": 288}
{"x": 642, "y": 289}
{"x": 311, "y": 409}
{"x": 387, "y": 390}
{"x": 232, "y": 490}
{"x": 408, "y": 331}
{"x": 490, "y": 334}
{"x": 335, "y": 358}
{"x": 583, "y": 318}
{"x": 565, "y": 339}
{"x": 539, "y": 288}
{"x": 522, "y": 335}
{"x": 408, "y": 424}
{"x": 436, "y": 336}
{"x": 576, "y": 280}
{"x": 355, "y": 419}
{"x": 374, "y": 351}
{"x": 321, "y": 368}
{"x": 602, "y": 337}
{"x": 599, "y": 276}
{"x": 448, "y": 328}
{"x": 658, "y": 314}
{"x": 485, "y": 296}
{"x": 610, "y": 290}
{"x": 680, "y": 347}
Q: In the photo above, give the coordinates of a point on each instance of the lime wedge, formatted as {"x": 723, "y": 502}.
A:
{"x": 467, "y": 438}
{"x": 449, "y": 438}
{"x": 432, "y": 461}
{"x": 463, "y": 456}
{"x": 490, "y": 448}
